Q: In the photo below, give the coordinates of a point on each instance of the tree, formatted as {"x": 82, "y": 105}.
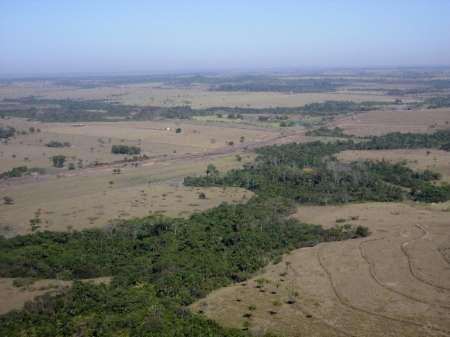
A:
{"x": 58, "y": 160}
{"x": 211, "y": 170}
{"x": 178, "y": 130}
{"x": 8, "y": 200}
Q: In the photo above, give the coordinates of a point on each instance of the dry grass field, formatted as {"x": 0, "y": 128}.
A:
{"x": 382, "y": 122}
{"x": 92, "y": 197}
{"x": 92, "y": 142}
{"x": 396, "y": 282}
{"x": 197, "y": 97}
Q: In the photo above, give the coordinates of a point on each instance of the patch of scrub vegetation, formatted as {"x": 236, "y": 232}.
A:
{"x": 55, "y": 143}
{"x": 20, "y": 171}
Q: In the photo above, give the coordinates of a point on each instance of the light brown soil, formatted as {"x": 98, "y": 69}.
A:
{"x": 382, "y": 122}
{"x": 396, "y": 282}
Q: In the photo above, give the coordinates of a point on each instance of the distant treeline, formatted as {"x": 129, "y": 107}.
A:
{"x": 396, "y": 140}
{"x": 280, "y": 85}
{"x": 66, "y": 110}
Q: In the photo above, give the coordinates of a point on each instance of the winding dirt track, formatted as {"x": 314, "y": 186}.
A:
{"x": 393, "y": 283}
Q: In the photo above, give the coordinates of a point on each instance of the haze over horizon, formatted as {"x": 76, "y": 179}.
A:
{"x": 51, "y": 37}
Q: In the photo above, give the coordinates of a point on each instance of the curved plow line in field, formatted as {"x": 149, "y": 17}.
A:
{"x": 320, "y": 319}
{"x": 345, "y": 303}
{"x": 411, "y": 264}
{"x": 383, "y": 285}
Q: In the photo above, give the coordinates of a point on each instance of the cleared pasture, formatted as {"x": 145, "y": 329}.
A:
{"x": 385, "y": 121}
{"x": 92, "y": 197}
{"x": 92, "y": 142}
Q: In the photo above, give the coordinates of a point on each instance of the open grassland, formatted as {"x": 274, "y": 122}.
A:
{"x": 92, "y": 142}
{"x": 417, "y": 159}
{"x": 393, "y": 283}
{"x": 197, "y": 97}
{"x": 382, "y": 122}
{"x": 92, "y": 197}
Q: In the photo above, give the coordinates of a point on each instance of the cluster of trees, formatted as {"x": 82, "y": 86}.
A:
{"x": 125, "y": 149}
{"x": 55, "y": 143}
{"x": 58, "y": 160}
{"x": 7, "y": 132}
{"x": 327, "y": 132}
{"x": 310, "y": 173}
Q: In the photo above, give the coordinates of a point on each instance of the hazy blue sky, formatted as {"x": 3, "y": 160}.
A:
{"x": 120, "y": 36}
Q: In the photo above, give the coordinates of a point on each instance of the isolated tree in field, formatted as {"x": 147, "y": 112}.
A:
{"x": 202, "y": 195}
{"x": 211, "y": 170}
{"x": 8, "y": 200}
{"x": 58, "y": 160}
{"x": 178, "y": 130}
